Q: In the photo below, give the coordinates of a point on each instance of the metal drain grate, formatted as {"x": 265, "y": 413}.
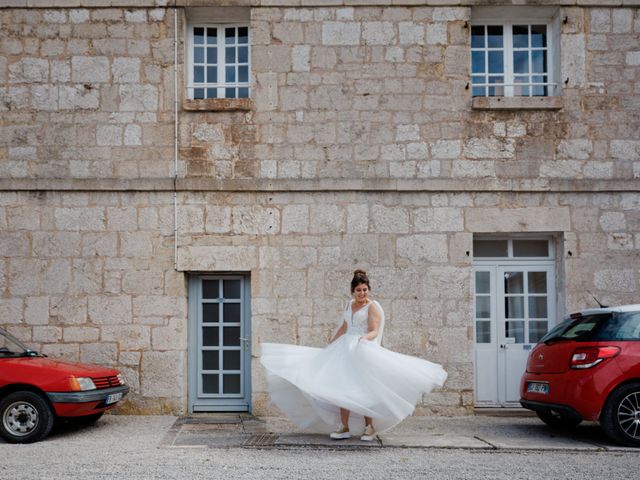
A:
{"x": 261, "y": 440}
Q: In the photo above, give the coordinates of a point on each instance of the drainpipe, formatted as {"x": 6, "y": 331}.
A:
{"x": 175, "y": 138}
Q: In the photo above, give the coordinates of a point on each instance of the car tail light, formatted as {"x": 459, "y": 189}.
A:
{"x": 587, "y": 357}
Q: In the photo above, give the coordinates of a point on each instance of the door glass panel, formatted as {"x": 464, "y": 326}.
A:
{"x": 231, "y": 359}
{"x": 514, "y": 307}
{"x": 210, "y": 360}
{"x": 210, "y": 289}
{"x": 231, "y": 383}
{"x": 538, "y": 307}
{"x": 537, "y": 330}
{"x": 231, "y": 312}
{"x": 514, "y": 329}
{"x": 483, "y": 331}
{"x": 537, "y": 282}
{"x": 210, "y": 337}
{"x": 231, "y": 336}
{"x": 210, "y": 383}
{"x": 483, "y": 307}
{"x": 513, "y": 282}
{"x": 530, "y": 248}
{"x": 210, "y": 312}
{"x": 231, "y": 288}
{"x": 482, "y": 282}
{"x": 490, "y": 248}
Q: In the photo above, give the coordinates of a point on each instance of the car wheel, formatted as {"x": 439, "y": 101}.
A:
{"x": 25, "y": 417}
{"x": 620, "y": 418}
{"x": 557, "y": 420}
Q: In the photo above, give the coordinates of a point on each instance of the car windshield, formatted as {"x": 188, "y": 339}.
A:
{"x": 11, "y": 346}
{"x": 598, "y": 327}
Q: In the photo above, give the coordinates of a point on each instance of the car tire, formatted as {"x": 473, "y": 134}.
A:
{"x": 25, "y": 417}
{"x": 557, "y": 420}
{"x": 620, "y": 418}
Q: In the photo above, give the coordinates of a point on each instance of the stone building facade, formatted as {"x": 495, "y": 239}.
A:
{"x": 360, "y": 146}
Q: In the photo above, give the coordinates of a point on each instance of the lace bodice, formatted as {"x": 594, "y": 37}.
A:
{"x": 358, "y": 323}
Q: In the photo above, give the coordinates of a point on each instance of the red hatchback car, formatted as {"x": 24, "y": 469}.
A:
{"x": 588, "y": 368}
{"x": 35, "y": 391}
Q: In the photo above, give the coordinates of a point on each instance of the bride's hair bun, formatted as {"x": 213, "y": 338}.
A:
{"x": 359, "y": 278}
{"x": 359, "y": 271}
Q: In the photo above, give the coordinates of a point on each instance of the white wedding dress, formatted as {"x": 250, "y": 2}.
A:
{"x": 309, "y": 385}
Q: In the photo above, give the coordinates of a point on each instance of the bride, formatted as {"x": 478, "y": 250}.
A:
{"x": 354, "y": 376}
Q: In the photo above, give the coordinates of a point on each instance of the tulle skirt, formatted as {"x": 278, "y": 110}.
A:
{"x": 309, "y": 385}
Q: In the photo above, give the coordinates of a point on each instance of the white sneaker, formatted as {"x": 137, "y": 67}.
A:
{"x": 341, "y": 433}
{"x": 369, "y": 434}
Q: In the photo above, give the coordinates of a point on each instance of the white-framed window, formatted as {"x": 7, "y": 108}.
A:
{"x": 219, "y": 61}
{"x": 514, "y": 56}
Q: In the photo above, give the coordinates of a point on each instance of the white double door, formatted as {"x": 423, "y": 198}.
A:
{"x": 515, "y": 305}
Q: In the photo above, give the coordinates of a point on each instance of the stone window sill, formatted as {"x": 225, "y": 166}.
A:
{"x": 516, "y": 103}
{"x": 218, "y": 105}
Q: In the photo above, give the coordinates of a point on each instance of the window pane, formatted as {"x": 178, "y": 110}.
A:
{"x": 230, "y": 74}
{"x": 520, "y": 36}
{"x": 212, "y": 55}
{"x": 198, "y": 93}
{"x": 477, "y": 62}
{"x": 210, "y": 337}
{"x": 230, "y": 55}
{"x": 243, "y": 74}
{"x": 620, "y": 326}
{"x": 483, "y": 307}
{"x": 537, "y": 282}
{"x": 210, "y": 312}
{"x": 538, "y": 307}
{"x": 231, "y": 383}
{"x": 521, "y": 62}
{"x": 514, "y": 330}
{"x": 212, "y": 92}
{"x": 498, "y": 90}
{"x": 496, "y": 63}
{"x": 243, "y": 35}
{"x": 231, "y": 288}
{"x": 539, "y": 61}
{"x": 530, "y": 248}
{"x": 513, "y": 282}
{"x": 494, "y": 36}
{"x": 210, "y": 383}
{"x": 198, "y": 55}
{"x": 514, "y": 307}
{"x": 490, "y": 248}
{"x": 538, "y": 36}
{"x": 210, "y": 360}
{"x": 231, "y": 359}
{"x": 212, "y": 74}
{"x": 210, "y": 289}
{"x": 537, "y": 330}
{"x": 212, "y": 36}
{"x": 230, "y": 35}
{"x": 477, "y": 36}
{"x": 483, "y": 332}
{"x": 521, "y": 91}
{"x": 243, "y": 93}
{"x": 479, "y": 91}
{"x": 243, "y": 54}
{"x": 231, "y": 336}
{"x": 230, "y": 93}
{"x": 198, "y": 35}
{"x": 198, "y": 74}
{"x": 482, "y": 282}
{"x": 232, "y": 312}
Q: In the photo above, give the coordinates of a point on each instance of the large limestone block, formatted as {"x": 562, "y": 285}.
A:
{"x": 128, "y": 337}
{"x": 217, "y": 258}
{"x": 11, "y": 310}
{"x": 162, "y": 374}
{"x": 99, "y": 353}
{"x": 106, "y": 310}
{"x": 538, "y": 219}
{"x": 423, "y": 248}
{"x": 159, "y": 306}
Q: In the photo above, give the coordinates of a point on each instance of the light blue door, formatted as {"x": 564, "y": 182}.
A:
{"x": 219, "y": 343}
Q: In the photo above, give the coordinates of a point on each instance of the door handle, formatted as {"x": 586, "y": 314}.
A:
{"x": 503, "y": 346}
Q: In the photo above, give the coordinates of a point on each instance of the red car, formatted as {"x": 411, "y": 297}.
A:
{"x": 35, "y": 391}
{"x": 588, "y": 368}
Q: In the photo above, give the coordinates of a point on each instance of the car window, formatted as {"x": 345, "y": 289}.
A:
{"x": 621, "y": 326}
{"x": 9, "y": 346}
{"x": 576, "y": 328}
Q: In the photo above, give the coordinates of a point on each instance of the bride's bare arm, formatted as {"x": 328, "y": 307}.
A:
{"x": 374, "y": 323}
{"x": 341, "y": 331}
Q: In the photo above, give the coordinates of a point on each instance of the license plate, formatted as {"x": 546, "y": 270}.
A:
{"x": 536, "y": 387}
{"x": 113, "y": 398}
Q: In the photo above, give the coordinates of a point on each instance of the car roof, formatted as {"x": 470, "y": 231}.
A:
{"x": 618, "y": 309}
